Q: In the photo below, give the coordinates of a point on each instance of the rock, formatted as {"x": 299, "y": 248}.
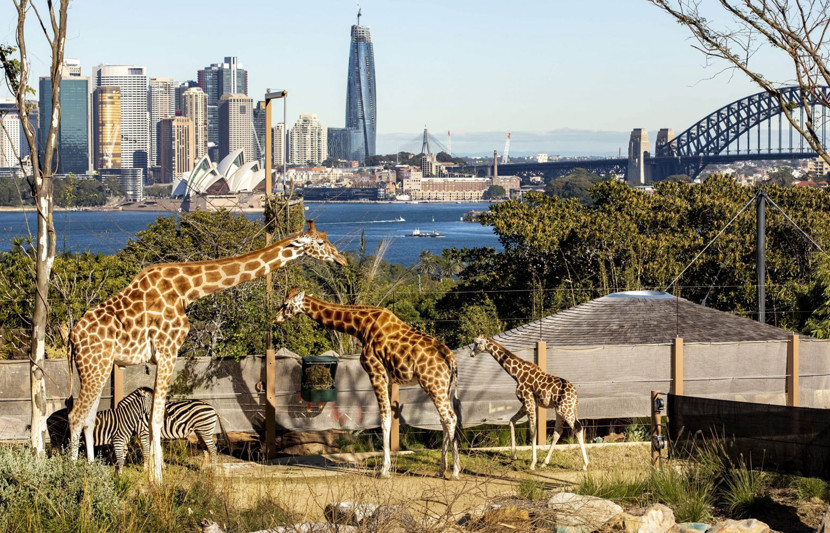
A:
{"x": 311, "y": 442}
{"x": 743, "y": 526}
{"x": 693, "y": 527}
{"x": 655, "y": 518}
{"x": 581, "y": 514}
{"x": 209, "y": 526}
{"x": 505, "y": 514}
{"x": 353, "y": 513}
{"x": 368, "y": 515}
{"x": 824, "y": 526}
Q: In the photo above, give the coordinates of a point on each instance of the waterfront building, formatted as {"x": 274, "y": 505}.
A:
{"x": 308, "y": 141}
{"x": 361, "y": 96}
{"x": 278, "y": 145}
{"x": 9, "y": 106}
{"x": 72, "y": 147}
{"x": 181, "y": 88}
{"x": 177, "y": 148}
{"x": 106, "y": 127}
{"x": 541, "y": 158}
{"x": 409, "y": 178}
{"x": 236, "y": 126}
{"x": 132, "y": 182}
{"x": 135, "y": 124}
{"x": 345, "y": 144}
{"x": 10, "y": 140}
{"x": 194, "y": 107}
{"x": 161, "y": 104}
{"x": 819, "y": 166}
{"x": 217, "y": 80}
{"x": 259, "y": 130}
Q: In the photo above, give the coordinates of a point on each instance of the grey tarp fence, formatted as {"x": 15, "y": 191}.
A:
{"x": 613, "y": 382}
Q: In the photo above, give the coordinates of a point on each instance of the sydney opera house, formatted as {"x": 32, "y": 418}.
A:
{"x": 232, "y": 184}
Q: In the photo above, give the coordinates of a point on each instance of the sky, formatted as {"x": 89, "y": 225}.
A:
{"x": 563, "y": 77}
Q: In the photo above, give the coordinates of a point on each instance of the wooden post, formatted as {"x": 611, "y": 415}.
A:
{"x": 656, "y": 428}
{"x": 792, "y": 371}
{"x": 270, "y": 356}
{"x": 395, "y": 431}
{"x": 677, "y": 366}
{"x": 117, "y": 385}
{"x": 541, "y": 416}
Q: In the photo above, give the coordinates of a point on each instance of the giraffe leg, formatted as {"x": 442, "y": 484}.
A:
{"x": 380, "y": 384}
{"x": 164, "y": 371}
{"x": 577, "y": 427}
{"x": 513, "y": 421}
{"x": 530, "y": 407}
{"x": 557, "y": 432}
{"x": 82, "y": 416}
{"x": 449, "y": 421}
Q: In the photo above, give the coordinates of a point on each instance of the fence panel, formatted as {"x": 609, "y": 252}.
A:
{"x": 791, "y": 440}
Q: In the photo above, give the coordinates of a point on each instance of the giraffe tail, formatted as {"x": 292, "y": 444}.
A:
{"x": 70, "y": 358}
{"x": 456, "y": 402}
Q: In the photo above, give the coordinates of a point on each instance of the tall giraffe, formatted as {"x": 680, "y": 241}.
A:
{"x": 146, "y": 322}
{"x": 535, "y": 386}
{"x": 392, "y": 351}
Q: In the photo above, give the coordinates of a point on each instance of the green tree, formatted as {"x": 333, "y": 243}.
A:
{"x": 495, "y": 191}
{"x": 574, "y": 185}
{"x": 783, "y": 177}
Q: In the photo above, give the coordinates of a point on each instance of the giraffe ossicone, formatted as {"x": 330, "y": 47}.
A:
{"x": 533, "y": 386}
{"x": 393, "y": 352}
{"x": 146, "y": 322}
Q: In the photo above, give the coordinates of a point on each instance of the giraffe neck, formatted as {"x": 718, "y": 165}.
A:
{"x": 508, "y": 360}
{"x": 201, "y": 278}
{"x": 343, "y": 318}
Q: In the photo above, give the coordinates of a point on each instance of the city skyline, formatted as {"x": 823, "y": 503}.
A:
{"x": 547, "y": 71}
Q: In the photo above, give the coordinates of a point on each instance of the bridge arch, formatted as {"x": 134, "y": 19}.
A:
{"x": 716, "y": 132}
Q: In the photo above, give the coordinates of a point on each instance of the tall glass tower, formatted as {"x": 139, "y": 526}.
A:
{"x": 361, "y": 100}
{"x": 73, "y": 131}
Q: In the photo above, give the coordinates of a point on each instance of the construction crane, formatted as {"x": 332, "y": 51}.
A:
{"x": 506, "y": 154}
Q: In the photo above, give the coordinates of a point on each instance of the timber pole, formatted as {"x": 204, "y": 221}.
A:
{"x": 760, "y": 259}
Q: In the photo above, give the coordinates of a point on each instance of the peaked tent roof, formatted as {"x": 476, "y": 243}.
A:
{"x": 638, "y": 317}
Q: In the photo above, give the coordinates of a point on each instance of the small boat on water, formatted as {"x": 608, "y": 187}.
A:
{"x": 418, "y": 233}
{"x": 400, "y": 219}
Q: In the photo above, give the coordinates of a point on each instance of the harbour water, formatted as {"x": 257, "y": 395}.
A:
{"x": 108, "y": 231}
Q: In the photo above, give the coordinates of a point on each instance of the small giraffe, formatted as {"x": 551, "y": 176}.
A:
{"x": 146, "y": 322}
{"x": 392, "y": 351}
{"x": 535, "y": 386}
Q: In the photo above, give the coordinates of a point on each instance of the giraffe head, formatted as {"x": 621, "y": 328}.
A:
{"x": 479, "y": 346}
{"x": 316, "y": 244}
{"x": 292, "y": 306}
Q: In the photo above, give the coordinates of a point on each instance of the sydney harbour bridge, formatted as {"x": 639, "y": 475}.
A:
{"x": 750, "y": 129}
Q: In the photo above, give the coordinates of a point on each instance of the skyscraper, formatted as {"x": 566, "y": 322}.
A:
{"x": 217, "y": 80}
{"x": 194, "y": 107}
{"x": 72, "y": 154}
{"x": 10, "y": 140}
{"x": 161, "y": 103}
{"x": 308, "y": 141}
{"x": 361, "y": 100}
{"x": 236, "y": 126}
{"x": 135, "y": 124}
{"x": 106, "y": 125}
{"x": 176, "y": 147}
{"x": 278, "y": 145}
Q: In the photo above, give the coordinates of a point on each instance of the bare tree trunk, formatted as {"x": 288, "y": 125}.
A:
{"x": 17, "y": 77}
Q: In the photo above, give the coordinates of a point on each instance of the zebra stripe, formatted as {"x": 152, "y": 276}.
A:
{"x": 181, "y": 418}
{"x": 116, "y": 426}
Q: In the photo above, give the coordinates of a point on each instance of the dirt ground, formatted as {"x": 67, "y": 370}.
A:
{"x": 305, "y": 485}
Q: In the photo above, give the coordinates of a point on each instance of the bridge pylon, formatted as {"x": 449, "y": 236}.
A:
{"x": 638, "y": 152}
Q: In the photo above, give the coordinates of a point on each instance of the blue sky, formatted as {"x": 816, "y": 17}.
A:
{"x": 565, "y": 77}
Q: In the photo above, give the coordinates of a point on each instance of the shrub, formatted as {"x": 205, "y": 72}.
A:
{"x": 613, "y": 485}
{"x": 530, "y": 488}
{"x": 53, "y": 493}
{"x": 686, "y": 490}
{"x": 810, "y": 487}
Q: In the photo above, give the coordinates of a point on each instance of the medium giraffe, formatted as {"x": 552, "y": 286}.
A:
{"x": 535, "y": 386}
{"x": 392, "y": 351}
{"x": 146, "y": 322}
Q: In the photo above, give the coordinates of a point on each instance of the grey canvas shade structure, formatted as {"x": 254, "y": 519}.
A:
{"x": 638, "y": 317}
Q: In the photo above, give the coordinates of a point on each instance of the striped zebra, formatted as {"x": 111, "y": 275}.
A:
{"x": 181, "y": 418}
{"x": 116, "y": 427}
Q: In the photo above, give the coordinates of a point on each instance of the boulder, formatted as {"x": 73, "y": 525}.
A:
{"x": 575, "y": 513}
{"x": 505, "y": 514}
{"x": 655, "y": 518}
{"x": 368, "y": 515}
{"x": 824, "y": 526}
{"x": 209, "y": 526}
{"x": 749, "y": 525}
{"x": 693, "y": 527}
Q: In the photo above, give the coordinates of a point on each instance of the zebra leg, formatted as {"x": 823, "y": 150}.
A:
{"x": 119, "y": 446}
{"x": 210, "y": 444}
